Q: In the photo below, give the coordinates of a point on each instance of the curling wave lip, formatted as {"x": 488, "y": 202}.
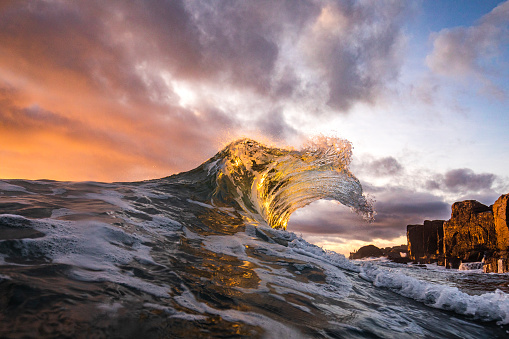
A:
{"x": 269, "y": 184}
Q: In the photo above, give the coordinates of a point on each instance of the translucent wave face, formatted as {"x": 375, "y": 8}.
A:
{"x": 269, "y": 184}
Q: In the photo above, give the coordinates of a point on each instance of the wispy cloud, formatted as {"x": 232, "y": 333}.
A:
{"x": 474, "y": 51}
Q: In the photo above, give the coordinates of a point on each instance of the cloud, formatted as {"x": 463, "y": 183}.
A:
{"x": 297, "y": 49}
{"x": 157, "y": 84}
{"x": 377, "y": 167}
{"x": 473, "y": 51}
{"x": 462, "y": 180}
{"x": 276, "y": 126}
{"x": 396, "y": 208}
{"x": 357, "y": 48}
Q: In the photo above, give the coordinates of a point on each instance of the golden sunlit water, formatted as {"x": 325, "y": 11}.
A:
{"x": 272, "y": 183}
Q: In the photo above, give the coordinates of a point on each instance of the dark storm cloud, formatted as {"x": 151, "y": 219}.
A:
{"x": 49, "y": 40}
{"x": 462, "y": 180}
{"x": 30, "y": 118}
{"x": 466, "y": 178}
{"x": 396, "y": 208}
{"x": 239, "y": 42}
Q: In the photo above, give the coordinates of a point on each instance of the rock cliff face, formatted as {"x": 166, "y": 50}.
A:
{"x": 474, "y": 233}
{"x": 470, "y": 233}
{"x": 501, "y": 217}
{"x": 425, "y": 242}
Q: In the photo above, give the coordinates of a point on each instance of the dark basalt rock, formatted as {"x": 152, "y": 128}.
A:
{"x": 425, "y": 242}
{"x": 367, "y": 252}
{"x": 393, "y": 253}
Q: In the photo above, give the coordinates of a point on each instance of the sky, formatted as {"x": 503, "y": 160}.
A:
{"x": 134, "y": 90}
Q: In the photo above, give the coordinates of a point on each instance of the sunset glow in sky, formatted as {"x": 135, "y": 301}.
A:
{"x": 133, "y": 90}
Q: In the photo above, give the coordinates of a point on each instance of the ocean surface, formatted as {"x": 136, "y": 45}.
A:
{"x": 205, "y": 254}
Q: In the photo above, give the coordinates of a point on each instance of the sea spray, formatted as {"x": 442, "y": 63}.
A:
{"x": 492, "y": 306}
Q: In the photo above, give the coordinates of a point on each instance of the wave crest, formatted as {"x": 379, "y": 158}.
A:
{"x": 270, "y": 183}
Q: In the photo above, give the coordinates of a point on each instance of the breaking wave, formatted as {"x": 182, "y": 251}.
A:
{"x": 269, "y": 184}
{"x": 204, "y": 254}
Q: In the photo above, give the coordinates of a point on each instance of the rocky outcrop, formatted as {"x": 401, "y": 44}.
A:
{"x": 425, "y": 242}
{"x": 470, "y": 233}
{"x": 395, "y": 253}
{"x": 367, "y": 252}
{"x": 501, "y": 217}
{"x": 475, "y": 233}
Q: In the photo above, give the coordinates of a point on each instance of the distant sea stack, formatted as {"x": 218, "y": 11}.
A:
{"x": 474, "y": 233}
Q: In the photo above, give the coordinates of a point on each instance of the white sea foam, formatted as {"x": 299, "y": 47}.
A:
{"x": 111, "y": 197}
{"x": 200, "y": 203}
{"x": 493, "y": 306}
{"x": 94, "y": 250}
{"x": 60, "y": 212}
{"x": 159, "y": 224}
{"x": 191, "y": 235}
{"x": 301, "y": 246}
{"x": 110, "y": 308}
{"x": 212, "y": 166}
{"x": 165, "y": 309}
{"x": 471, "y": 266}
{"x": 300, "y": 307}
{"x": 58, "y": 191}
{"x": 151, "y": 193}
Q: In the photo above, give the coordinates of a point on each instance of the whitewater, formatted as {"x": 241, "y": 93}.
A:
{"x": 206, "y": 253}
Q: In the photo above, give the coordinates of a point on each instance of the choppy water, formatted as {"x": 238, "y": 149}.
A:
{"x": 192, "y": 255}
